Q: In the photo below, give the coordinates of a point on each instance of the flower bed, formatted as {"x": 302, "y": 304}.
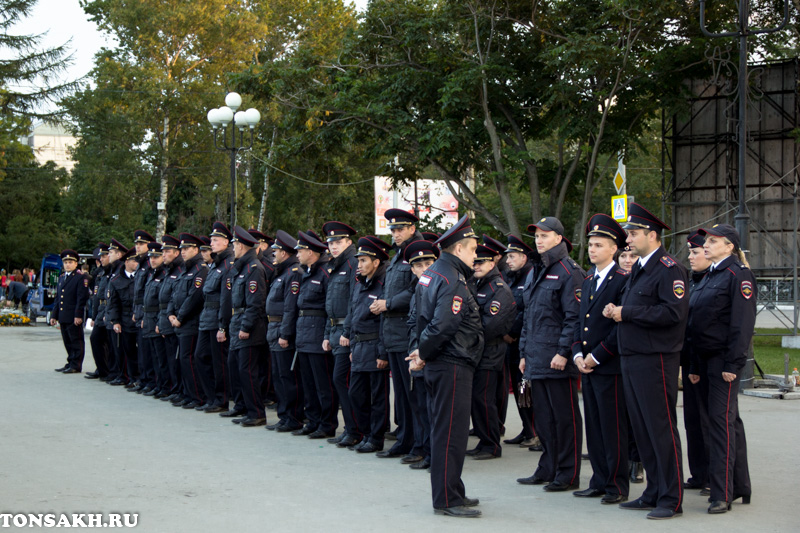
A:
{"x": 14, "y": 319}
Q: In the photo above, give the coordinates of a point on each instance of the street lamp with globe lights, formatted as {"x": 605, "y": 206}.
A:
{"x": 229, "y": 115}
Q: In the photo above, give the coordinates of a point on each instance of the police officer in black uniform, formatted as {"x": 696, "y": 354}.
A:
{"x": 211, "y": 354}
{"x": 369, "y": 375}
{"x": 695, "y": 408}
{"x": 173, "y": 263}
{"x": 519, "y": 259}
{"x": 282, "y": 324}
{"x": 115, "y": 368}
{"x": 652, "y": 321}
{"x": 101, "y": 349}
{"x": 498, "y": 310}
{"x": 264, "y": 254}
{"x": 449, "y": 342}
{"x": 342, "y": 270}
{"x": 187, "y": 300}
{"x": 119, "y": 313}
{"x": 248, "y": 327}
{"x": 149, "y": 327}
{"x": 146, "y": 377}
{"x": 722, "y": 315}
{"x": 552, "y": 300}
{"x": 72, "y": 294}
{"x": 594, "y": 352}
{"x": 316, "y": 366}
{"x": 394, "y": 305}
{"x": 420, "y": 255}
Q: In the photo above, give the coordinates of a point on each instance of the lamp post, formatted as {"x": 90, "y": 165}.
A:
{"x": 229, "y": 115}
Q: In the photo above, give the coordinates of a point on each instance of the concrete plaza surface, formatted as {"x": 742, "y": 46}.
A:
{"x": 71, "y": 445}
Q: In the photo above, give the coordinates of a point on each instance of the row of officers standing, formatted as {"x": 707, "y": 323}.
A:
{"x": 314, "y": 325}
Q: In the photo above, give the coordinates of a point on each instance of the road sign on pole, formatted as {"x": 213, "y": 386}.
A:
{"x": 619, "y": 177}
{"x": 619, "y": 208}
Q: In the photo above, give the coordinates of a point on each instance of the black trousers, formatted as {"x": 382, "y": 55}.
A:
{"x": 310, "y": 396}
{"x": 401, "y": 382}
{"x": 651, "y": 390}
{"x": 558, "y": 423}
{"x": 696, "y": 424}
{"x": 369, "y": 397}
{"x": 290, "y": 389}
{"x": 449, "y": 399}
{"x": 525, "y": 413}
{"x": 265, "y": 377}
{"x": 728, "y": 470}
{"x": 341, "y": 380}
{"x": 101, "y": 349}
{"x": 210, "y": 368}
{"x": 322, "y": 371}
{"x": 74, "y": 343}
{"x": 235, "y": 380}
{"x": 422, "y": 422}
{"x": 115, "y": 367}
{"x": 606, "y": 419}
{"x": 501, "y": 396}
{"x": 147, "y": 376}
{"x": 126, "y": 359}
{"x": 189, "y": 371}
{"x": 158, "y": 351}
{"x": 248, "y": 359}
{"x": 172, "y": 349}
{"x": 485, "y": 416}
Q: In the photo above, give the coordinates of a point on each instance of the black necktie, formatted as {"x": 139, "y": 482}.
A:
{"x": 593, "y": 288}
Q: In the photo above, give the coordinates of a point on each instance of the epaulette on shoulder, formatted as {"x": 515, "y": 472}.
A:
{"x": 742, "y": 266}
{"x": 294, "y": 269}
{"x": 587, "y": 277}
{"x": 668, "y": 261}
{"x": 622, "y": 272}
{"x": 253, "y": 265}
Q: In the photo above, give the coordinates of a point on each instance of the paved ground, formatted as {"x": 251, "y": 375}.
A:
{"x": 72, "y": 445}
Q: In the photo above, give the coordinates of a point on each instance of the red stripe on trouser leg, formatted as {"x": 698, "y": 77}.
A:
{"x": 449, "y": 432}
{"x": 672, "y": 434}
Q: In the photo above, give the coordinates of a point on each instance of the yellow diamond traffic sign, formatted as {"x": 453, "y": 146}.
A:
{"x": 619, "y": 181}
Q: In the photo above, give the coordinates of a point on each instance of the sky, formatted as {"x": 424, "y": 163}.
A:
{"x": 64, "y": 22}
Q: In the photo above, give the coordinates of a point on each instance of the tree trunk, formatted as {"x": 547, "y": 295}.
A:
{"x": 161, "y": 221}
{"x": 265, "y": 194}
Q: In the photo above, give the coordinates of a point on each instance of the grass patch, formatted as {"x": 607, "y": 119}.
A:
{"x": 769, "y": 353}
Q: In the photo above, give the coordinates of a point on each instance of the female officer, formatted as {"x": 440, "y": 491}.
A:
{"x": 722, "y": 316}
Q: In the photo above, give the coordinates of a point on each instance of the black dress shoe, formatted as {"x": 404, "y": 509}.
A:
{"x": 369, "y": 448}
{"x": 389, "y": 454}
{"x": 130, "y": 385}
{"x": 231, "y": 413}
{"x": 135, "y": 388}
{"x": 348, "y": 440}
{"x": 105, "y": 379}
{"x": 660, "y": 513}
{"x": 637, "y": 505}
{"x": 319, "y": 434}
{"x": 609, "y": 499}
{"x": 202, "y": 407}
{"x": 116, "y": 382}
{"x": 719, "y": 507}
{"x": 252, "y": 422}
{"x": 161, "y": 394}
{"x": 62, "y": 368}
{"x": 589, "y": 493}
{"x": 91, "y": 375}
{"x": 745, "y": 498}
{"x": 532, "y": 480}
{"x": 584, "y": 457}
{"x": 71, "y": 371}
{"x": 390, "y": 435}
{"x": 688, "y": 485}
{"x": 286, "y": 428}
{"x": 238, "y": 420}
{"x": 359, "y": 444}
{"x": 473, "y": 451}
{"x": 471, "y": 432}
{"x": 484, "y": 456}
{"x": 305, "y": 430}
{"x": 516, "y": 440}
{"x": 214, "y": 409}
{"x": 637, "y": 472}
{"x": 187, "y": 403}
{"x": 705, "y": 491}
{"x": 422, "y": 465}
{"x": 276, "y": 425}
{"x": 559, "y": 486}
{"x": 337, "y": 440}
{"x": 461, "y": 511}
{"x": 411, "y": 459}
{"x": 151, "y": 392}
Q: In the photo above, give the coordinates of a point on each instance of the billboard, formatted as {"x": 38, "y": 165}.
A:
{"x": 433, "y": 199}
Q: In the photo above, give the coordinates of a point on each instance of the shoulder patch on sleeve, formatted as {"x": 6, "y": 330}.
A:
{"x": 198, "y": 282}
{"x": 578, "y": 291}
{"x": 228, "y": 283}
{"x": 494, "y": 307}
{"x": 456, "y": 307}
{"x": 85, "y": 282}
{"x": 252, "y": 287}
{"x": 668, "y": 261}
{"x": 295, "y": 287}
{"x": 678, "y": 288}
{"x": 747, "y": 290}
